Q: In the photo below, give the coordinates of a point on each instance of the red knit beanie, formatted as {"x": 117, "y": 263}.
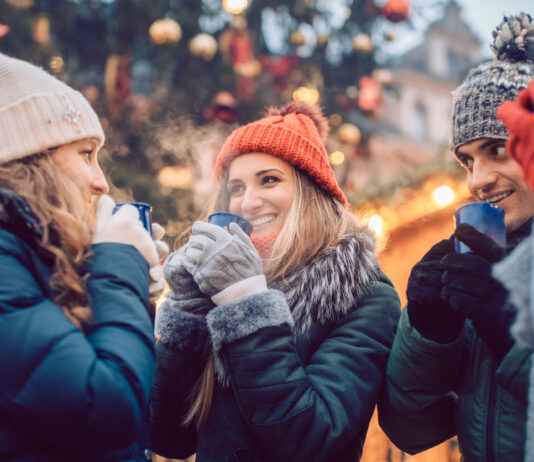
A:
{"x": 296, "y": 134}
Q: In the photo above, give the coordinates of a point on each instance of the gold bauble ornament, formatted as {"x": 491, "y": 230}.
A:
{"x": 203, "y": 45}
{"x": 297, "y": 38}
{"x": 165, "y": 31}
{"x": 349, "y": 133}
{"x": 362, "y": 43}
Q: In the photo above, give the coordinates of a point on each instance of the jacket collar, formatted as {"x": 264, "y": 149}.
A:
{"x": 516, "y": 236}
{"x": 326, "y": 289}
{"x": 17, "y": 217}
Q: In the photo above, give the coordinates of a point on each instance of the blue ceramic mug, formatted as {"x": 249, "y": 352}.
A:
{"x": 485, "y": 217}
{"x": 145, "y": 213}
{"x": 223, "y": 219}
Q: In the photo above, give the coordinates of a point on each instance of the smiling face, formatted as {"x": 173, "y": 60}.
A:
{"x": 493, "y": 176}
{"x": 261, "y": 189}
{"x": 78, "y": 161}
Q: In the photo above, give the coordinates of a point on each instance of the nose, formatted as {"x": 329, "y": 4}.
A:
{"x": 251, "y": 202}
{"x": 483, "y": 177}
{"x": 99, "y": 184}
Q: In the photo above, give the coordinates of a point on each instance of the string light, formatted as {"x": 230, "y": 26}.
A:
{"x": 306, "y": 95}
{"x": 376, "y": 224}
{"x": 443, "y": 195}
{"x": 235, "y": 6}
{"x": 337, "y": 158}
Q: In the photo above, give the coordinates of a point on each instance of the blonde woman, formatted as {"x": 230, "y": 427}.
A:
{"x": 75, "y": 321}
{"x": 273, "y": 348}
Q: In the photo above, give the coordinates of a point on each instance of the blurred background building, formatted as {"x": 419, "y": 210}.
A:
{"x": 171, "y": 79}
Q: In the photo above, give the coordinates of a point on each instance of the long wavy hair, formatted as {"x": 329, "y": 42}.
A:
{"x": 315, "y": 222}
{"x": 65, "y": 222}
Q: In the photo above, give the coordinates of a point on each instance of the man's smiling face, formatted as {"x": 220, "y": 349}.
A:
{"x": 493, "y": 176}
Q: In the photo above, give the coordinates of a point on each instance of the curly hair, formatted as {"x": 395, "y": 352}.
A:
{"x": 65, "y": 223}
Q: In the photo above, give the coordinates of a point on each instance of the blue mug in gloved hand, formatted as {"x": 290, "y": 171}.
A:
{"x": 485, "y": 217}
{"x": 145, "y": 213}
{"x": 223, "y": 219}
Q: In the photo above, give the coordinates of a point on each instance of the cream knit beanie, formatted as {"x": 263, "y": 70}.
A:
{"x": 37, "y": 111}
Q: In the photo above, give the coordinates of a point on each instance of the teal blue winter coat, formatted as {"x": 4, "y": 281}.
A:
{"x": 67, "y": 395}
{"x": 298, "y": 371}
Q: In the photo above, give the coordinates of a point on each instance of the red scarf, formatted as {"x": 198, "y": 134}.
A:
{"x": 264, "y": 243}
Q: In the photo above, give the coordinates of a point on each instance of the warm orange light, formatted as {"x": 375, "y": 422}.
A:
{"x": 337, "y": 158}
{"x": 376, "y": 224}
{"x": 306, "y": 95}
{"x": 444, "y": 195}
{"x": 175, "y": 177}
{"x": 235, "y": 6}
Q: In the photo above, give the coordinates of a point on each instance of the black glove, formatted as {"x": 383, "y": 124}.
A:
{"x": 433, "y": 318}
{"x": 469, "y": 287}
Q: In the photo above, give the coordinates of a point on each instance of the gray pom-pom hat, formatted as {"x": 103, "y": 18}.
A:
{"x": 494, "y": 82}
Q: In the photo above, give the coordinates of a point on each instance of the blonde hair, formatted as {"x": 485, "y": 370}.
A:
{"x": 66, "y": 238}
{"x": 316, "y": 222}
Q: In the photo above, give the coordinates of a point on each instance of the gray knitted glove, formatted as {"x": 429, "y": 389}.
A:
{"x": 225, "y": 264}
{"x": 183, "y": 287}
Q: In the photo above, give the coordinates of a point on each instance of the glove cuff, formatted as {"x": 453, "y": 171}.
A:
{"x": 243, "y": 288}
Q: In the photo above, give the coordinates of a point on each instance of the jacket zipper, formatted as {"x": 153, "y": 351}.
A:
{"x": 491, "y": 414}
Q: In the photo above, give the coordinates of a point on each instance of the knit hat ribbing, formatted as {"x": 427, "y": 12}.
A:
{"x": 493, "y": 82}
{"x": 293, "y": 133}
{"x": 38, "y": 111}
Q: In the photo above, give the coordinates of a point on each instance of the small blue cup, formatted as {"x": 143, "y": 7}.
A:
{"x": 145, "y": 213}
{"x": 486, "y": 218}
{"x": 223, "y": 219}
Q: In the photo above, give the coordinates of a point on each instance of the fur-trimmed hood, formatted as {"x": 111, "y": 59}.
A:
{"x": 325, "y": 289}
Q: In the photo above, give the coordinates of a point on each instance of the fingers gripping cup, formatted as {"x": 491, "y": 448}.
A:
{"x": 223, "y": 219}
{"x": 145, "y": 213}
{"x": 486, "y": 218}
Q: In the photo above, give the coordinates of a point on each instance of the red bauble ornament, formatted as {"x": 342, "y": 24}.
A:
{"x": 396, "y": 10}
{"x": 370, "y": 94}
{"x": 223, "y": 107}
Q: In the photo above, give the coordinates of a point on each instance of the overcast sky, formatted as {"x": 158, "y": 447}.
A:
{"x": 481, "y": 15}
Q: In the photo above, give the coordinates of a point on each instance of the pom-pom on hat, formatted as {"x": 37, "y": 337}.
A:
{"x": 493, "y": 82}
{"x": 294, "y": 133}
{"x": 38, "y": 111}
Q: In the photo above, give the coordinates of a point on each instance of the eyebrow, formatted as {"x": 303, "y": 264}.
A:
{"x": 486, "y": 144}
{"x": 257, "y": 174}
{"x": 262, "y": 172}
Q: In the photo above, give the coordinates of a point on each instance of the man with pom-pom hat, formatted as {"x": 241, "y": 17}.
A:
{"x": 454, "y": 368}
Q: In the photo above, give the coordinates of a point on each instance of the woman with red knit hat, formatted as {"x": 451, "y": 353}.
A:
{"x": 273, "y": 347}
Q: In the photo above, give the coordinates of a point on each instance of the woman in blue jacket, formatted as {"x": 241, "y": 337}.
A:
{"x": 76, "y": 338}
{"x": 286, "y": 333}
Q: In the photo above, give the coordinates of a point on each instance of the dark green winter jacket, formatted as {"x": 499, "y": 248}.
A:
{"x": 298, "y": 373}
{"x": 435, "y": 391}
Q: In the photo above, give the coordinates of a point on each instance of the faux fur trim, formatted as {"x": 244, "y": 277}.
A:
{"x": 326, "y": 289}
{"x": 243, "y": 317}
{"x": 323, "y": 291}
{"x": 179, "y": 329}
